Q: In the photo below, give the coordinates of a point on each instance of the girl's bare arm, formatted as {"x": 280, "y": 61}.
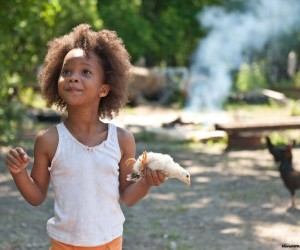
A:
{"x": 33, "y": 187}
{"x": 131, "y": 193}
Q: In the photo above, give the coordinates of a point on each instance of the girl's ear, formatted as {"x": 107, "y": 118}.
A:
{"x": 104, "y": 90}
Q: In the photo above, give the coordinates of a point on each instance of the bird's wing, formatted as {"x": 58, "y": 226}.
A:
{"x": 162, "y": 162}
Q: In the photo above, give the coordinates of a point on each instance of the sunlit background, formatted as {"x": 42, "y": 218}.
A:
{"x": 198, "y": 66}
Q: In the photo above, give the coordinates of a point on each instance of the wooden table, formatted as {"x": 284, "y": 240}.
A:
{"x": 248, "y": 134}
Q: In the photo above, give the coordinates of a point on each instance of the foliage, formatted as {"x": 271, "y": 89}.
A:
{"x": 250, "y": 77}
{"x": 295, "y": 108}
{"x": 296, "y": 80}
{"x": 31, "y": 98}
{"x": 280, "y": 139}
{"x": 10, "y": 118}
{"x": 163, "y": 32}
{"x": 26, "y": 27}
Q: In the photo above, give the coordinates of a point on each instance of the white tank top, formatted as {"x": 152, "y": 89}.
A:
{"x": 86, "y": 188}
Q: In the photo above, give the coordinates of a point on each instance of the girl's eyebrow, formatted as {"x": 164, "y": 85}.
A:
{"x": 82, "y": 63}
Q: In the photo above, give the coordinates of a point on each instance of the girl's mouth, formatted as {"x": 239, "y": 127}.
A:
{"x": 72, "y": 89}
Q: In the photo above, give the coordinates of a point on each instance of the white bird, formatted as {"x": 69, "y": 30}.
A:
{"x": 157, "y": 161}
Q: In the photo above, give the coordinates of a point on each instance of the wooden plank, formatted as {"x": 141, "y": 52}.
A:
{"x": 234, "y": 127}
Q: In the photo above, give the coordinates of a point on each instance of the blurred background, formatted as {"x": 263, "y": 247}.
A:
{"x": 194, "y": 55}
{"x": 196, "y": 63}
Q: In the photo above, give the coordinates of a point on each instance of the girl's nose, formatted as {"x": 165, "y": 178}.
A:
{"x": 73, "y": 78}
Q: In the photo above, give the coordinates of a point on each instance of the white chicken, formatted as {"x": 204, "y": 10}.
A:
{"x": 157, "y": 161}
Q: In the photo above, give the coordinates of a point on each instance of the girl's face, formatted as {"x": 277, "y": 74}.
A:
{"x": 81, "y": 80}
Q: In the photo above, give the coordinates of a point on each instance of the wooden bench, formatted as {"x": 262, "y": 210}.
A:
{"x": 249, "y": 134}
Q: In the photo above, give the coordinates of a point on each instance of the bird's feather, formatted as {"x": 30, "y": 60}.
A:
{"x": 161, "y": 162}
{"x": 289, "y": 176}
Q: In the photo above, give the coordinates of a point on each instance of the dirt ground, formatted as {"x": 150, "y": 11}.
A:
{"x": 236, "y": 201}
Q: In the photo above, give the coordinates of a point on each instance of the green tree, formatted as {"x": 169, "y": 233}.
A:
{"x": 26, "y": 27}
{"x": 163, "y": 32}
{"x": 250, "y": 77}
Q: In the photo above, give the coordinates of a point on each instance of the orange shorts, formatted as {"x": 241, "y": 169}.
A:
{"x": 115, "y": 244}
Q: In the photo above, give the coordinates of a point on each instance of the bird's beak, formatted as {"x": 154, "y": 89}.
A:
{"x": 188, "y": 182}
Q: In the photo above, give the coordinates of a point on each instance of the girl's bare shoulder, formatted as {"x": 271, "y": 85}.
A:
{"x": 47, "y": 141}
{"x": 124, "y": 135}
{"x": 47, "y": 134}
{"x": 126, "y": 140}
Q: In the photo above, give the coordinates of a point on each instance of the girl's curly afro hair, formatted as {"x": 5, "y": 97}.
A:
{"x": 112, "y": 54}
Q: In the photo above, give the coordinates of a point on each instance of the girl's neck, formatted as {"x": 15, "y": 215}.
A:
{"x": 82, "y": 120}
{"x": 81, "y": 123}
{"x": 88, "y": 132}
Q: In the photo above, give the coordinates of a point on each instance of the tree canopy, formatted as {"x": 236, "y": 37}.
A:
{"x": 162, "y": 33}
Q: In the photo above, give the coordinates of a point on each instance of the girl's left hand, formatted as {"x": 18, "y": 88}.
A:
{"x": 153, "y": 177}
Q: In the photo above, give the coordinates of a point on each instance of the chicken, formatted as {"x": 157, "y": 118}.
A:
{"x": 157, "y": 161}
{"x": 277, "y": 151}
{"x": 289, "y": 176}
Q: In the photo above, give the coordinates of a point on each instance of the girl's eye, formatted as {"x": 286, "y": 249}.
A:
{"x": 86, "y": 72}
{"x": 65, "y": 72}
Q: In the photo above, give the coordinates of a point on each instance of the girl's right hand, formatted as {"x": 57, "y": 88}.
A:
{"x": 17, "y": 160}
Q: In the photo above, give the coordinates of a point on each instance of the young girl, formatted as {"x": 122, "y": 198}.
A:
{"x": 85, "y": 73}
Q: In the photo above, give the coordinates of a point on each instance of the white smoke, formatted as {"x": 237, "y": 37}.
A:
{"x": 230, "y": 35}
